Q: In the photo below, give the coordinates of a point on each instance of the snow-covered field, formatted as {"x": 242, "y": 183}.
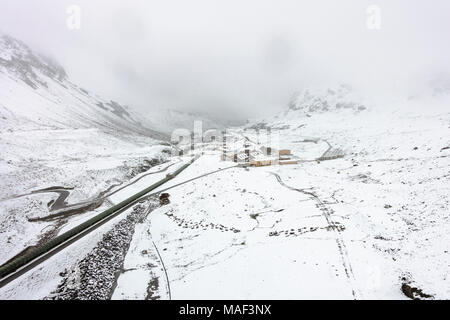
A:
{"x": 371, "y": 225}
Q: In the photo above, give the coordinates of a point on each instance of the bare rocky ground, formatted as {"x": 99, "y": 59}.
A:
{"x": 95, "y": 276}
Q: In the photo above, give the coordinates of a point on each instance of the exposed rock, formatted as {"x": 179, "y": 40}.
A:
{"x": 94, "y": 277}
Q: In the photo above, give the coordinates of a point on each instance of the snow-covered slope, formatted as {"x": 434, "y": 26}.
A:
{"x": 310, "y": 102}
{"x": 36, "y": 93}
{"x": 315, "y": 101}
{"x": 56, "y": 134}
{"x": 391, "y": 181}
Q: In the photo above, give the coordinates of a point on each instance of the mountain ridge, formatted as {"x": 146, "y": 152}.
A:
{"x": 37, "y": 92}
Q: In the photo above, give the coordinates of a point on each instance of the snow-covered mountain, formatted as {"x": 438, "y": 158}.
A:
{"x": 36, "y": 92}
{"x": 362, "y": 215}
{"x": 310, "y": 102}
{"x": 53, "y": 133}
{"x": 316, "y": 101}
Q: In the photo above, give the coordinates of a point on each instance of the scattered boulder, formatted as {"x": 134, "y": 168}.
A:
{"x": 415, "y": 293}
{"x": 164, "y": 199}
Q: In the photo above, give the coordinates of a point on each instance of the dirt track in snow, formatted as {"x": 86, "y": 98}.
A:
{"x": 327, "y": 214}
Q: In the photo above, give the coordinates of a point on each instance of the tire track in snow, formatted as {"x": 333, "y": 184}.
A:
{"x": 165, "y": 270}
{"x": 326, "y": 212}
{"x": 164, "y": 190}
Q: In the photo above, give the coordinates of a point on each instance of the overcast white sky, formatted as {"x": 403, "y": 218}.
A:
{"x": 234, "y": 56}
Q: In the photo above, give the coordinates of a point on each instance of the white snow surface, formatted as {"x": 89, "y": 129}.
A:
{"x": 379, "y": 217}
{"x": 356, "y": 227}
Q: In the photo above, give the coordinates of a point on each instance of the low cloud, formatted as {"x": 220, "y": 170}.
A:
{"x": 235, "y": 58}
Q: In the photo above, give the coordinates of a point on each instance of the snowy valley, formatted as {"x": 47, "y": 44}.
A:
{"x": 369, "y": 222}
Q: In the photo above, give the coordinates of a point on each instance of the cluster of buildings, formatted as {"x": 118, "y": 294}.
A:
{"x": 260, "y": 157}
{"x": 245, "y": 152}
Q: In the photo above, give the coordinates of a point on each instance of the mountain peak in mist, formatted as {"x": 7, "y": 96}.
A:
{"x": 28, "y": 65}
{"x": 311, "y": 101}
{"x": 323, "y": 100}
